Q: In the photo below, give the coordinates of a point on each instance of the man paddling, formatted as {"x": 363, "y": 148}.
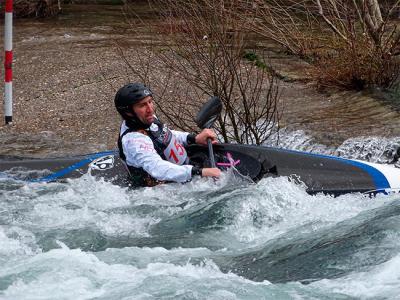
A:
{"x": 152, "y": 152}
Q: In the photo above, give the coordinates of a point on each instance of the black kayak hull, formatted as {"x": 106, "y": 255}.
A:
{"x": 319, "y": 173}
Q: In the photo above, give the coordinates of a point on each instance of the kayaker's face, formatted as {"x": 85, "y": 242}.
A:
{"x": 144, "y": 110}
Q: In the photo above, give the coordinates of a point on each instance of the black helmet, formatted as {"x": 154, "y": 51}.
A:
{"x": 129, "y": 94}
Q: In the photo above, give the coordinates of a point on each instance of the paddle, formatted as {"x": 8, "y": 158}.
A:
{"x": 206, "y": 117}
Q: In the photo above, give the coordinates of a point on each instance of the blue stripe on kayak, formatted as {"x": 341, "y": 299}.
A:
{"x": 73, "y": 167}
{"x": 378, "y": 177}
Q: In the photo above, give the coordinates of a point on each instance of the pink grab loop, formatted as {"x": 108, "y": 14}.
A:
{"x": 231, "y": 162}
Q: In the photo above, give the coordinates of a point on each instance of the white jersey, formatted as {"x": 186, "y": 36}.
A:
{"x": 140, "y": 153}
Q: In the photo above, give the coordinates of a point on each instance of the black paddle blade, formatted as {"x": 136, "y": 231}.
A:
{"x": 209, "y": 113}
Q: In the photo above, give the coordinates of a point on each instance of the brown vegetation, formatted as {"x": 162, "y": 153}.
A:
{"x": 352, "y": 44}
{"x": 36, "y": 8}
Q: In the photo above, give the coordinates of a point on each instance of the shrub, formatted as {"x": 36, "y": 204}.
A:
{"x": 351, "y": 44}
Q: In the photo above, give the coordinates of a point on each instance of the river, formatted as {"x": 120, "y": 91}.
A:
{"x": 230, "y": 239}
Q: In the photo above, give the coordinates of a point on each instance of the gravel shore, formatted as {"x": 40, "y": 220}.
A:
{"x": 66, "y": 73}
{"x": 64, "y": 84}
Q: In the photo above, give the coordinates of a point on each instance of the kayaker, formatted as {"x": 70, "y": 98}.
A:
{"x": 152, "y": 152}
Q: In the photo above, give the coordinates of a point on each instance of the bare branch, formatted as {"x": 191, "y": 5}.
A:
{"x": 331, "y": 25}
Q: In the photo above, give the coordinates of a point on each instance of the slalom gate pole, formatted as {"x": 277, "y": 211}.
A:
{"x": 8, "y": 24}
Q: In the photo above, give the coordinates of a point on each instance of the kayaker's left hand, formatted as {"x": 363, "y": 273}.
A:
{"x": 202, "y": 137}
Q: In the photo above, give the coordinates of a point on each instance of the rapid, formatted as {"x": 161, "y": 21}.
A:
{"x": 226, "y": 239}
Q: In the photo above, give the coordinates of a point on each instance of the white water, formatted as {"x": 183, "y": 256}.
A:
{"x": 88, "y": 239}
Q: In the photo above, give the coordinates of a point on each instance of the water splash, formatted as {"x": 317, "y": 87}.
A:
{"x": 367, "y": 148}
{"x": 199, "y": 240}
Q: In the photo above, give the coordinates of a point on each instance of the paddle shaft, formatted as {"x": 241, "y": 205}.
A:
{"x": 206, "y": 117}
{"x": 211, "y": 153}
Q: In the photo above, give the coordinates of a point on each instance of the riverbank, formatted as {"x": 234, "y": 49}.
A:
{"x": 67, "y": 70}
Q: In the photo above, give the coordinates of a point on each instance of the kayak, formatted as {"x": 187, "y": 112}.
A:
{"x": 319, "y": 173}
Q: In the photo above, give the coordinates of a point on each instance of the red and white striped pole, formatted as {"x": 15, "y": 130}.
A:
{"x": 8, "y": 24}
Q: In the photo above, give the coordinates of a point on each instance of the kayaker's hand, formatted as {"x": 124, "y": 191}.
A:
{"x": 202, "y": 137}
{"x": 211, "y": 172}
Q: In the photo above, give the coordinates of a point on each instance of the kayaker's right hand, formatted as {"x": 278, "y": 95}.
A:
{"x": 211, "y": 172}
{"x": 205, "y": 134}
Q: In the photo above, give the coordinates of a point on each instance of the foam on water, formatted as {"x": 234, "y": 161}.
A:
{"x": 369, "y": 148}
{"x": 66, "y": 274}
{"x": 373, "y": 149}
{"x": 206, "y": 222}
{"x": 16, "y": 243}
{"x": 73, "y": 274}
{"x": 297, "y": 140}
{"x": 80, "y": 204}
{"x": 380, "y": 282}
{"x": 275, "y": 206}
